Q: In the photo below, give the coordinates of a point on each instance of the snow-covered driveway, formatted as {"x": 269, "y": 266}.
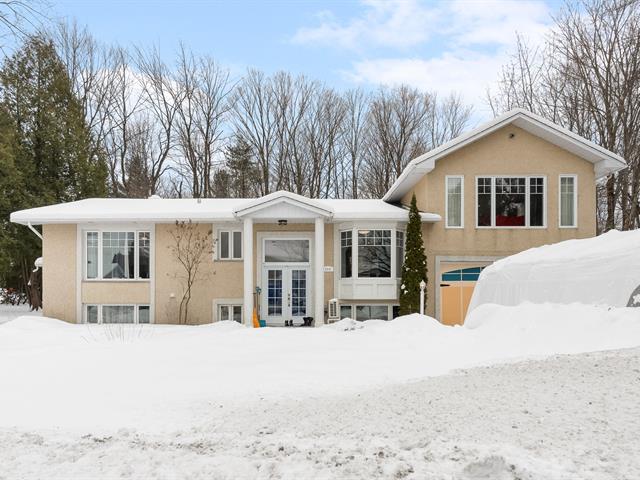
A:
{"x": 566, "y": 417}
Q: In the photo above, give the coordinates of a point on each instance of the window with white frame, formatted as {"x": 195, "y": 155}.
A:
{"x": 399, "y": 252}
{"x": 374, "y": 253}
{"x": 346, "y": 254}
{"x": 371, "y": 253}
{"x": 117, "y": 255}
{"x": 230, "y": 245}
{"x": 454, "y": 201}
{"x": 114, "y": 314}
{"x": 568, "y": 201}
{"x": 511, "y": 201}
{"x": 230, "y": 312}
{"x": 368, "y": 312}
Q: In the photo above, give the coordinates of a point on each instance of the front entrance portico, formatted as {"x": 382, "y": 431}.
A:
{"x": 288, "y": 266}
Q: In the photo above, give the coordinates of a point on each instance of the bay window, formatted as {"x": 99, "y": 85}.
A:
{"x": 371, "y": 253}
{"x": 510, "y": 201}
{"x": 117, "y": 255}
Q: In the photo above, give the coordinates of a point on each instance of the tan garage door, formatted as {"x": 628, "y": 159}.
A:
{"x": 457, "y": 281}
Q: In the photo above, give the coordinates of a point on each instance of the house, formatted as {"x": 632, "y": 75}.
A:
{"x": 516, "y": 182}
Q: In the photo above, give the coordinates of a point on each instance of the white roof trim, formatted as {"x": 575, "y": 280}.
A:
{"x": 605, "y": 162}
{"x": 282, "y": 196}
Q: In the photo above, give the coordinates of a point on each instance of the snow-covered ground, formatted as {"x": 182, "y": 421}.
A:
{"x": 10, "y": 312}
{"x": 382, "y": 401}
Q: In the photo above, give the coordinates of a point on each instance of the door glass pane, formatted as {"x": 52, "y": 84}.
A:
{"x": 237, "y": 244}
{"x": 92, "y": 254}
{"x": 274, "y": 292}
{"x": 224, "y": 312}
{"x": 237, "y": 313}
{"x": 143, "y": 314}
{"x": 118, "y": 254}
{"x": 295, "y": 251}
{"x": 118, "y": 314}
{"x": 298, "y": 293}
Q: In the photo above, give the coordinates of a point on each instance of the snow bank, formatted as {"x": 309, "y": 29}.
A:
{"x": 163, "y": 376}
{"x": 604, "y": 270}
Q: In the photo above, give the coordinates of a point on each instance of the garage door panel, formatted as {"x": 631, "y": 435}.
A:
{"x": 457, "y": 282}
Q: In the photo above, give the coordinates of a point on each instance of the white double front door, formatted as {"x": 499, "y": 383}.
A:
{"x": 286, "y": 281}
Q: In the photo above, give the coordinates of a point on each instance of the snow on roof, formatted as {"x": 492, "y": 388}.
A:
{"x": 605, "y": 162}
{"x": 208, "y": 209}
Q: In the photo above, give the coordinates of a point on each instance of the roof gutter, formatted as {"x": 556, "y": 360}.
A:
{"x": 38, "y": 234}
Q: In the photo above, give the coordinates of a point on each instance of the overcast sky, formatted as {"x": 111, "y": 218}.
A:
{"x": 456, "y": 45}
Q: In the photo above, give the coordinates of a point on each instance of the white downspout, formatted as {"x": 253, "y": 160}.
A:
{"x": 34, "y": 230}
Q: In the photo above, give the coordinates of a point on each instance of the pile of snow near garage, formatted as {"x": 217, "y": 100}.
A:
{"x": 604, "y": 270}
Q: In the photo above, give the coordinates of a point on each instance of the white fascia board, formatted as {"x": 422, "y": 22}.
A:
{"x": 283, "y": 197}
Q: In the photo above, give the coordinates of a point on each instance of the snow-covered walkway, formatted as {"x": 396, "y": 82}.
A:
{"x": 566, "y": 417}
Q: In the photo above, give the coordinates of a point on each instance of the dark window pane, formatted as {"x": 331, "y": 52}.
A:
{"x": 224, "y": 245}
{"x": 92, "y": 314}
{"x": 374, "y": 253}
{"x": 237, "y": 244}
{"x": 345, "y": 311}
{"x": 536, "y": 202}
{"x": 372, "y": 312}
{"x": 346, "y": 253}
{"x": 484, "y": 202}
{"x": 144, "y": 244}
{"x": 510, "y": 202}
{"x": 143, "y": 314}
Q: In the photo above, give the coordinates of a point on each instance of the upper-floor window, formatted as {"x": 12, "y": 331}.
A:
{"x": 454, "y": 201}
{"x": 120, "y": 255}
{"x": 510, "y": 201}
{"x": 568, "y": 201}
{"x": 229, "y": 245}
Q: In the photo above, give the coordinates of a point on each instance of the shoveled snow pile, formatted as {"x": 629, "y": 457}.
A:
{"x": 604, "y": 270}
{"x": 161, "y": 376}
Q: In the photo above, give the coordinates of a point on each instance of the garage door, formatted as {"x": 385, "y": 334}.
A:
{"x": 457, "y": 281}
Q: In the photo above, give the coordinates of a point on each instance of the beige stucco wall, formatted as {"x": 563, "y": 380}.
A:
{"x": 116, "y": 292}
{"x": 497, "y": 154}
{"x": 220, "y": 279}
{"x": 59, "y": 272}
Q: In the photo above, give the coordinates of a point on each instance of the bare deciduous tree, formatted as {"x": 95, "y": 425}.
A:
{"x": 191, "y": 246}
